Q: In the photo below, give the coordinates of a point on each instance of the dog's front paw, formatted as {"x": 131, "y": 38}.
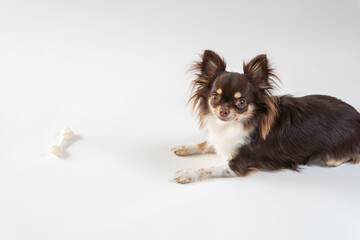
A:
{"x": 180, "y": 150}
{"x": 187, "y": 176}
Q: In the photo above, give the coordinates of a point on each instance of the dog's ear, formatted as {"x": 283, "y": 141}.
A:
{"x": 263, "y": 78}
{"x": 260, "y": 72}
{"x": 206, "y": 70}
{"x": 211, "y": 65}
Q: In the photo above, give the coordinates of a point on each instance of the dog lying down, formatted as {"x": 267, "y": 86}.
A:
{"x": 254, "y": 130}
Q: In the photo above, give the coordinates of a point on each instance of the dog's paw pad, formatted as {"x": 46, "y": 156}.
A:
{"x": 179, "y": 150}
{"x": 186, "y": 176}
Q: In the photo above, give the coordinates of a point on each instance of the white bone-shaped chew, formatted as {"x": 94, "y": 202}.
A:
{"x": 65, "y": 136}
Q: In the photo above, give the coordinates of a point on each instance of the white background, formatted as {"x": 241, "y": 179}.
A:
{"x": 114, "y": 71}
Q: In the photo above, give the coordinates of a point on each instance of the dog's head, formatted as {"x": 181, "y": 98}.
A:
{"x": 231, "y": 96}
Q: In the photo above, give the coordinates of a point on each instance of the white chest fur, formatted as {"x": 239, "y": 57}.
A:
{"x": 225, "y": 137}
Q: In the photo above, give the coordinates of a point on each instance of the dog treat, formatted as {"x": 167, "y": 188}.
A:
{"x": 66, "y": 135}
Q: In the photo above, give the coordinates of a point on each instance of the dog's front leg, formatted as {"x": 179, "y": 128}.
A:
{"x": 232, "y": 169}
{"x": 190, "y": 149}
{"x": 193, "y": 175}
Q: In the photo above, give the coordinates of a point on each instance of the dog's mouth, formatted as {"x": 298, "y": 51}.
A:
{"x": 225, "y": 119}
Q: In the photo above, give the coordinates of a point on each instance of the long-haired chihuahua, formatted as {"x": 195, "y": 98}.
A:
{"x": 254, "y": 130}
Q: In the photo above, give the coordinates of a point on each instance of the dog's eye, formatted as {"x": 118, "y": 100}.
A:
{"x": 240, "y": 102}
{"x": 215, "y": 97}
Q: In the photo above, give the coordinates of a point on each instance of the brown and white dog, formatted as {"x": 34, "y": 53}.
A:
{"x": 254, "y": 130}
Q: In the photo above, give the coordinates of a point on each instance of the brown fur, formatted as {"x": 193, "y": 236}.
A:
{"x": 269, "y": 118}
{"x": 202, "y": 146}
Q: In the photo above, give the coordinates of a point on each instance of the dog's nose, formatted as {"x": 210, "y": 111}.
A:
{"x": 224, "y": 112}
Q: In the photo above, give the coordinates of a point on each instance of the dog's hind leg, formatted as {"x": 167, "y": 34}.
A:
{"x": 334, "y": 162}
